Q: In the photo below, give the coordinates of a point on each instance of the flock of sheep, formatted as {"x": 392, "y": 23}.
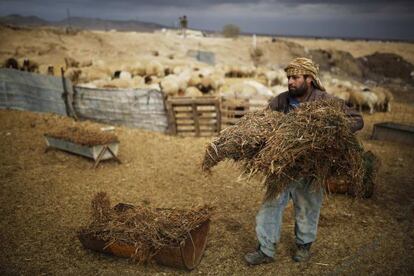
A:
{"x": 194, "y": 80}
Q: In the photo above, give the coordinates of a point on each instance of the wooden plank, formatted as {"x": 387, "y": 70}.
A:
{"x": 171, "y": 119}
{"x": 197, "y": 123}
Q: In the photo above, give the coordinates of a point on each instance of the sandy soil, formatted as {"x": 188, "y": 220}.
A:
{"x": 50, "y": 46}
{"x": 45, "y": 197}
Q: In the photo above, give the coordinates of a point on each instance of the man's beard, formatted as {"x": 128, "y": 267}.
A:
{"x": 298, "y": 91}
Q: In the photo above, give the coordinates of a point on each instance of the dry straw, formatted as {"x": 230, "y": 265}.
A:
{"x": 313, "y": 141}
{"x": 83, "y": 135}
{"x": 148, "y": 230}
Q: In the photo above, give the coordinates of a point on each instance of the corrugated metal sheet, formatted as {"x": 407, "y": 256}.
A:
{"x": 28, "y": 91}
{"x": 139, "y": 108}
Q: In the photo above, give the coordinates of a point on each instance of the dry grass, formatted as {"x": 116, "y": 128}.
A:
{"x": 314, "y": 141}
{"x": 45, "y": 198}
{"x": 83, "y": 135}
{"x": 147, "y": 230}
{"x": 242, "y": 141}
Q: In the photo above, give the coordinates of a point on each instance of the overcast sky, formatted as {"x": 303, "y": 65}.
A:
{"x": 332, "y": 18}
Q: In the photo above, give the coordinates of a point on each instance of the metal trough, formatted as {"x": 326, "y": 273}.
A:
{"x": 186, "y": 255}
{"x": 394, "y": 132}
{"x": 97, "y": 152}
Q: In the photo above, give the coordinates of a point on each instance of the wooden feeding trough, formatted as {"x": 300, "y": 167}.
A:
{"x": 91, "y": 144}
{"x": 186, "y": 254}
{"x": 394, "y": 132}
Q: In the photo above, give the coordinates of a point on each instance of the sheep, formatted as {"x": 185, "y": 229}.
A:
{"x": 11, "y": 63}
{"x": 278, "y": 89}
{"x": 193, "y": 92}
{"x": 86, "y": 63}
{"x": 90, "y": 74}
{"x": 150, "y": 79}
{"x": 370, "y": 100}
{"x": 50, "y": 70}
{"x": 261, "y": 90}
{"x": 136, "y": 69}
{"x": 206, "y": 85}
{"x": 30, "y": 66}
{"x": 71, "y": 62}
{"x": 365, "y": 98}
{"x": 384, "y": 99}
{"x": 194, "y": 80}
{"x": 124, "y": 75}
{"x": 138, "y": 82}
{"x": 154, "y": 68}
{"x": 121, "y": 83}
{"x": 154, "y": 86}
{"x": 356, "y": 100}
{"x": 73, "y": 74}
{"x": 218, "y": 81}
{"x": 237, "y": 91}
{"x": 246, "y": 90}
{"x": 174, "y": 85}
{"x": 170, "y": 85}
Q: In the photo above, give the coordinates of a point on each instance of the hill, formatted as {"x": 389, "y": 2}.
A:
{"x": 84, "y": 23}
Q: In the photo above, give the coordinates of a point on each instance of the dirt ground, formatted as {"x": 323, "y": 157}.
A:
{"x": 45, "y": 198}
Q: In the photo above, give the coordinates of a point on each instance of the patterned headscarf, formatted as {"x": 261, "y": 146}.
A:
{"x": 305, "y": 66}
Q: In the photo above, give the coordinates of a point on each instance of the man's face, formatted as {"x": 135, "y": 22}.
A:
{"x": 297, "y": 86}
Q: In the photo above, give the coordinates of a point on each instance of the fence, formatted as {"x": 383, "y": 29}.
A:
{"x": 136, "y": 108}
{"x": 27, "y": 91}
{"x": 139, "y": 108}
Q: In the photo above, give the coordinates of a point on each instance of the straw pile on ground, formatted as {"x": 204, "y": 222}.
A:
{"x": 147, "y": 230}
{"x": 83, "y": 136}
{"x": 313, "y": 141}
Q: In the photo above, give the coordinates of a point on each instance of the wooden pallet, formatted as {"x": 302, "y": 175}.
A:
{"x": 234, "y": 109}
{"x": 198, "y": 116}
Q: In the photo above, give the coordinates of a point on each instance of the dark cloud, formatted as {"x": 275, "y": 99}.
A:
{"x": 350, "y": 18}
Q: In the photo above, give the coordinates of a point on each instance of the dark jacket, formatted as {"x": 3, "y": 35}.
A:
{"x": 281, "y": 104}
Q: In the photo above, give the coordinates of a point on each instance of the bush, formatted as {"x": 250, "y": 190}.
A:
{"x": 256, "y": 54}
{"x": 231, "y": 30}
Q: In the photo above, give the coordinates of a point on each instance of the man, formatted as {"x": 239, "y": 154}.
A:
{"x": 183, "y": 25}
{"x": 304, "y": 85}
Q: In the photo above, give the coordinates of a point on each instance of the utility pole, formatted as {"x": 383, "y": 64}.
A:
{"x": 68, "y": 16}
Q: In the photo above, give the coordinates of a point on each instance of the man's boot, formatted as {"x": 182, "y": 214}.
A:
{"x": 302, "y": 252}
{"x": 258, "y": 257}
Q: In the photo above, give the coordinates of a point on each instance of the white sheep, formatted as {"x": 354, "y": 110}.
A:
{"x": 193, "y": 92}
{"x": 170, "y": 85}
{"x": 154, "y": 68}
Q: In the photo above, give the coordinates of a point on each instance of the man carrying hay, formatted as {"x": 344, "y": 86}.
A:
{"x": 304, "y": 85}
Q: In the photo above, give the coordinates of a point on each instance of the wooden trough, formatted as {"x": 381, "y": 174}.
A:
{"x": 394, "y": 132}
{"x": 186, "y": 255}
{"x": 96, "y": 152}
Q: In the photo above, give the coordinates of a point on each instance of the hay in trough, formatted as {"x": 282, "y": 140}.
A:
{"x": 83, "y": 135}
{"x": 147, "y": 230}
{"x": 313, "y": 141}
{"x": 243, "y": 140}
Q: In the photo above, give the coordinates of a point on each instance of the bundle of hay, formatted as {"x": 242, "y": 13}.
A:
{"x": 313, "y": 141}
{"x": 243, "y": 140}
{"x": 147, "y": 230}
{"x": 83, "y": 136}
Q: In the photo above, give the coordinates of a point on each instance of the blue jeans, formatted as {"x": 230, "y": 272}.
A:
{"x": 307, "y": 201}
